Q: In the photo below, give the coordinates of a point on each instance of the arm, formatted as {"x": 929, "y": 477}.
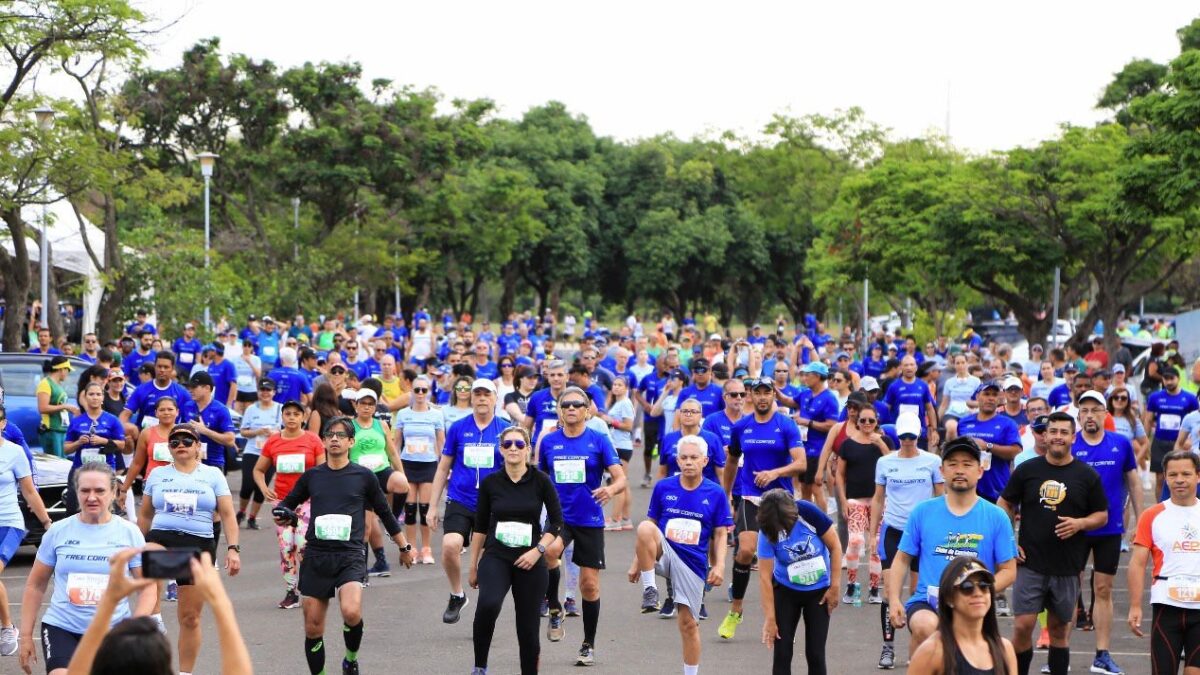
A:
{"x": 770, "y": 631}
{"x": 1006, "y": 574}
{"x": 839, "y": 481}
{"x": 606, "y": 492}
{"x": 820, "y": 426}
{"x": 1010, "y": 509}
{"x": 795, "y": 468}
{"x": 139, "y": 463}
{"x": 729, "y": 474}
{"x": 931, "y": 421}
{"x": 145, "y": 515}
{"x": 477, "y": 540}
{"x": 1001, "y": 451}
{"x": 46, "y": 408}
{"x": 260, "y": 478}
{"x": 928, "y": 658}
{"x": 1136, "y": 582}
{"x": 895, "y": 580}
{"x": 31, "y": 600}
{"x": 827, "y": 451}
{"x": 390, "y": 445}
{"x": 233, "y": 560}
{"x": 833, "y": 594}
{"x": 235, "y": 658}
{"x": 1134, "y": 485}
{"x": 34, "y": 501}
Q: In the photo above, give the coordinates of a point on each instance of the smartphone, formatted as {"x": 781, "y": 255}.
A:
{"x": 284, "y": 513}
{"x": 171, "y": 563}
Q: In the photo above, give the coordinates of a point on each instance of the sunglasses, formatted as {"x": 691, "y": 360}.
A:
{"x": 337, "y": 371}
{"x": 867, "y": 420}
{"x": 908, "y": 437}
{"x": 1119, "y": 398}
{"x": 462, "y": 389}
{"x": 736, "y": 394}
{"x": 330, "y": 435}
{"x": 969, "y": 587}
{"x": 697, "y": 371}
{"x": 181, "y": 442}
{"x": 506, "y": 365}
{"x": 837, "y": 380}
{"x": 420, "y": 390}
{"x": 351, "y": 348}
{"x": 520, "y": 445}
{"x": 572, "y": 404}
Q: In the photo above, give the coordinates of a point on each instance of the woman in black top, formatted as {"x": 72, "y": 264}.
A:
{"x": 857, "y": 456}
{"x": 508, "y": 545}
{"x": 968, "y": 640}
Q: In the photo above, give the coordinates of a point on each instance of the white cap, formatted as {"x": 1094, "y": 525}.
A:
{"x": 908, "y": 423}
{"x": 1093, "y": 395}
{"x": 365, "y": 318}
{"x": 869, "y": 383}
{"x": 714, "y": 337}
{"x": 483, "y": 384}
{"x": 365, "y": 392}
{"x": 1010, "y": 382}
{"x": 1119, "y": 368}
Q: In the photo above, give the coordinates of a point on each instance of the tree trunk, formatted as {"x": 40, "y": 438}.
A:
{"x": 509, "y": 297}
{"x": 555, "y": 297}
{"x": 1034, "y": 329}
{"x": 17, "y": 278}
{"x": 53, "y": 316}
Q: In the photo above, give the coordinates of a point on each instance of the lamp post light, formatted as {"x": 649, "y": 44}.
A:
{"x": 45, "y": 119}
{"x": 207, "y": 161}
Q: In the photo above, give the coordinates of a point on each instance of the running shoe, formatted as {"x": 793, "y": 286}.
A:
{"x": 667, "y": 611}
{"x": 1046, "y": 669}
{"x": 478, "y": 671}
{"x": 887, "y": 658}
{"x": 454, "y": 608}
{"x": 848, "y": 597}
{"x": 703, "y": 612}
{"x": 649, "y": 600}
{"x": 172, "y": 591}
{"x": 1083, "y": 621}
{"x": 874, "y": 598}
{"x": 1044, "y": 640}
{"x": 427, "y": 556}
{"x": 1104, "y": 665}
{"x": 1002, "y": 608}
{"x": 349, "y": 667}
{"x": 1124, "y": 546}
{"x": 729, "y": 625}
{"x": 555, "y": 630}
{"x": 252, "y": 524}
{"x": 158, "y": 621}
{"x": 380, "y": 569}
{"x": 241, "y": 515}
{"x": 612, "y": 526}
{"x": 290, "y": 601}
{"x": 646, "y": 481}
{"x": 626, "y": 524}
{"x": 570, "y": 607}
{"x": 8, "y": 640}
{"x": 544, "y": 611}
{"x": 587, "y": 655}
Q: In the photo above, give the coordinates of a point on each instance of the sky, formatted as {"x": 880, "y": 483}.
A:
{"x": 1004, "y": 74}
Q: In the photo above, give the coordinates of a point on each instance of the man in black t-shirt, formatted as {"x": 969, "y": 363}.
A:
{"x": 335, "y": 561}
{"x": 1059, "y": 499}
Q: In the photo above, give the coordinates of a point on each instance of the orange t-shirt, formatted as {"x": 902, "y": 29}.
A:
{"x": 291, "y": 457}
{"x": 156, "y": 444}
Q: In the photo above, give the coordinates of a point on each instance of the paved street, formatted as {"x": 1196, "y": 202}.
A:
{"x": 404, "y": 632}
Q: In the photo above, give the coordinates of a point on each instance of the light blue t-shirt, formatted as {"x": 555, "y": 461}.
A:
{"x": 935, "y": 536}
{"x": 14, "y": 466}
{"x": 908, "y": 481}
{"x": 622, "y": 410}
{"x": 79, "y": 554}
{"x": 959, "y": 392}
{"x": 801, "y": 558}
{"x": 452, "y": 414}
{"x": 256, "y": 418}
{"x": 185, "y": 502}
{"x": 419, "y": 430}
{"x": 1189, "y": 425}
{"x": 1132, "y": 432}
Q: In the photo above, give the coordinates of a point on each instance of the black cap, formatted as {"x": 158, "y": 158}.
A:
{"x": 858, "y": 397}
{"x": 961, "y": 444}
{"x": 200, "y": 378}
{"x": 760, "y": 383}
{"x": 293, "y": 404}
{"x": 1040, "y": 423}
{"x": 680, "y": 374}
{"x": 266, "y": 383}
{"x": 698, "y": 362}
{"x": 1170, "y": 371}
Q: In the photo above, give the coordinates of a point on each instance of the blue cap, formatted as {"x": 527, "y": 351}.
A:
{"x": 816, "y": 367}
{"x": 841, "y": 355}
{"x": 984, "y": 386}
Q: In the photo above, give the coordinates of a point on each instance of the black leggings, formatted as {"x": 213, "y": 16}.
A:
{"x": 249, "y": 487}
{"x": 1174, "y": 631}
{"x": 496, "y": 576}
{"x": 790, "y": 605}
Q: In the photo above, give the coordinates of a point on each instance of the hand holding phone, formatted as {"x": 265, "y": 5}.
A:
{"x": 171, "y": 563}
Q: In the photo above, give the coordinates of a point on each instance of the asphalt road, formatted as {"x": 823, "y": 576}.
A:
{"x": 405, "y": 634}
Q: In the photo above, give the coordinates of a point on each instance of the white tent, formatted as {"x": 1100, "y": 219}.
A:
{"x": 67, "y": 251}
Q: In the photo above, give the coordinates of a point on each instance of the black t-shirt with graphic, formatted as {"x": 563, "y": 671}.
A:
{"x": 1044, "y": 492}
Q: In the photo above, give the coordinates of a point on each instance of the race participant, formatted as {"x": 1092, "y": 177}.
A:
{"x": 1165, "y": 537}
{"x": 958, "y": 394}
{"x": 139, "y": 407}
{"x": 471, "y": 453}
{"x": 1111, "y": 455}
{"x": 459, "y": 406}
{"x": 1165, "y": 410}
{"x": 999, "y": 441}
{"x": 152, "y": 450}
{"x": 774, "y": 457}
{"x": 508, "y": 547}
{"x": 338, "y": 493}
{"x": 797, "y": 547}
{"x": 178, "y": 508}
{"x": 94, "y": 435}
{"x": 543, "y": 407}
{"x": 249, "y": 370}
{"x": 941, "y": 529}
{"x": 576, "y": 458}
{"x": 903, "y": 479}
{"x": 721, "y": 422}
{"x": 187, "y": 351}
{"x": 289, "y": 452}
{"x": 968, "y": 633}
{"x": 1059, "y": 499}
{"x": 689, "y": 413}
{"x": 259, "y": 422}
{"x": 212, "y": 422}
{"x": 374, "y": 448}
{"x": 909, "y": 394}
{"x": 422, "y": 434}
{"x": 291, "y": 383}
{"x": 75, "y": 552}
{"x": 54, "y": 405}
{"x": 16, "y": 477}
{"x": 687, "y": 513}
{"x": 702, "y": 387}
{"x": 620, "y": 418}
{"x": 818, "y": 413}
{"x": 857, "y": 457}
{"x": 649, "y": 390}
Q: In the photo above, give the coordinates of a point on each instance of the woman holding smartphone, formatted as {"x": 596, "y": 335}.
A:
{"x": 177, "y": 512}
{"x": 74, "y": 553}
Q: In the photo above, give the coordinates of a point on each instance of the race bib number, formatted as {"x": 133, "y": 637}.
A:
{"x": 1168, "y": 422}
{"x": 931, "y": 593}
{"x": 479, "y": 456}
{"x": 333, "y": 527}
{"x": 807, "y": 572}
{"x": 85, "y": 590}
{"x": 186, "y": 357}
{"x": 1183, "y": 588}
{"x": 64, "y": 417}
{"x": 268, "y": 350}
{"x": 910, "y": 408}
{"x": 372, "y": 462}
{"x": 683, "y": 531}
{"x": 985, "y": 459}
{"x": 419, "y": 446}
{"x": 569, "y": 471}
{"x": 181, "y": 503}
{"x": 162, "y": 453}
{"x": 514, "y": 534}
{"x": 293, "y": 463}
{"x": 89, "y": 455}
{"x": 149, "y": 421}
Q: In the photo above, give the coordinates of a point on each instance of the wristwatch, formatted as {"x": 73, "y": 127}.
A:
{"x": 541, "y": 549}
{"x": 235, "y": 548}
{"x": 989, "y": 447}
{"x": 407, "y": 548}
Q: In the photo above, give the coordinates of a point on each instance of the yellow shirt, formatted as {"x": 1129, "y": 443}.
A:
{"x": 392, "y": 389}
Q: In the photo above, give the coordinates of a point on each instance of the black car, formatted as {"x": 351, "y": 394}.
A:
{"x": 50, "y": 478}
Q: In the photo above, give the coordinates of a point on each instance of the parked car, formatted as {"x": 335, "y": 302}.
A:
{"x": 19, "y": 376}
{"x": 50, "y": 478}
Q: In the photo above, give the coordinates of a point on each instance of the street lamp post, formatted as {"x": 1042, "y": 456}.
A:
{"x": 45, "y": 119}
{"x": 207, "y": 161}
{"x": 296, "y": 227}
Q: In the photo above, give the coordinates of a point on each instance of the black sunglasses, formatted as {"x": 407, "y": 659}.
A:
{"x": 969, "y": 587}
{"x": 572, "y": 404}
{"x": 184, "y": 442}
{"x": 697, "y": 371}
{"x": 867, "y": 420}
{"x": 510, "y": 443}
{"x": 420, "y": 390}
{"x": 337, "y": 370}
{"x": 506, "y": 365}
{"x": 736, "y": 394}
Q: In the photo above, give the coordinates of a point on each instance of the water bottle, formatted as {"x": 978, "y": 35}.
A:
{"x": 858, "y": 595}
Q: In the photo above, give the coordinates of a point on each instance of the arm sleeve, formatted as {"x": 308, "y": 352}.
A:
{"x": 554, "y": 514}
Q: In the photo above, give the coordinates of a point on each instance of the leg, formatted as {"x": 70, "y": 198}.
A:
{"x": 190, "y": 604}
{"x": 689, "y": 634}
{"x": 5, "y": 614}
{"x": 816, "y": 631}
{"x": 1102, "y": 613}
{"x": 1023, "y": 632}
{"x": 1060, "y": 653}
{"x": 648, "y": 547}
{"x": 528, "y": 589}
{"x": 921, "y": 625}
{"x": 1166, "y": 640}
{"x": 589, "y": 588}
{"x": 495, "y": 578}
{"x": 410, "y": 517}
{"x": 787, "y": 618}
{"x": 314, "y": 629}
{"x": 425, "y": 493}
{"x": 397, "y": 483}
{"x": 554, "y": 572}
{"x": 350, "y": 602}
{"x": 747, "y": 545}
{"x": 856, "y": 529}
{"x": 452, "y": 546}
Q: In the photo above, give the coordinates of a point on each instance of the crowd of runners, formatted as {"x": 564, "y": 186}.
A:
{"x": 983, "y": 484}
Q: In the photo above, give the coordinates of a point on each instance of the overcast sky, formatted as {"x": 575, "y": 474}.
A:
{"x": 1009, "y": 72}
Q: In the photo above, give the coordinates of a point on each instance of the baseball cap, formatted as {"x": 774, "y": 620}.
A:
{"x": 1071, "y": 367}
{"x": 266, "y": 383}
{"x": 184, "y": 429}
{"x": 816, "y": 367}
{"x": 984, "y": 386}
{"x": 268, "y": 319}
{"x": 1010, "y": 382}
{"x": 186, "y": 326}
{"x": 680, "y": 374}
{"x": 842, "y": 355}
{"x": 293, "y": 404}
{"x": 858, "y": 398}
{"x": 1119, "y": 368}
{"x": 200, "y": 378}
{"x": 1040, "y": 423}
{"x": 1092, "y": 395}
{"x": 960, "y": 444}
{"x": 907, "y": 423}
{"x": 1035, "y": 348}
{"x": 972, "y": 568}
{"x": 483, "y": 384}
{"x": 869, "y": 383}
{"x": 713, "y": 337}
{"x": 1170, "y": 371}
{"x": 60, "y": 363}
{"x": 365, "y": 392}
{"x": 761, "y": 382}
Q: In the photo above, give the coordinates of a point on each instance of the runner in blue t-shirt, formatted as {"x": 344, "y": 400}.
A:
{"x": 774, "y": 456}
{"x": 687, "y": 514}
{"x": 702, "y": 387}
{"x": 187, "y": 351}
{"x": 689, "y": 425}
{"x": 576, "y": 458}
{"x": 212, "y": 422}
{"x": 94, "y": 435}
{"x": 542, "y": 410}
{"x": 139, "y": 407}
{"x": 942, "y": 528}
{"x": 998, "y": 437}
{"x": 291, "y": 384}
{"x": 910, "y": 394}
{"x": 818, "y": 412}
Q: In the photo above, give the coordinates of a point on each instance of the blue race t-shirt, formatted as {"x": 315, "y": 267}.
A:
{"x": 185, "y": 502}
{"x": 801, "y": 558}
{"x": 576, "y": 467}
{"x": 652, "y": 387}
{"x": 999, "y": 430}
{"x": 79, "y": 554}
{"x": 907, "y": 481}
{"x": 766, "y": 446}
{"x": 14, "y": 466}
{"x": 544, "y": 409}
{"x": 688, "y": 517}
{"x": 216, "y": 417}
{"x": 1059, "y": 396}
{"x": 476, "y": 454}
{"x": 1169, "y": 411}
{"x": 143, "y": 400}
{"x": 187, "y": 352}
{"x": 911, "y": 397}
{"x": 1112, "y": 458}
{"x": 935, "y": 536}
{"x": 719, "y": 423}
{"x": 716, "y": 453}
{"x": 710, "y": 397}
{"x": 107, "y": 426}
{"x": 290, "y": 384}
{"x": 822, "y": 407}
{"x": 224, "y": 376}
